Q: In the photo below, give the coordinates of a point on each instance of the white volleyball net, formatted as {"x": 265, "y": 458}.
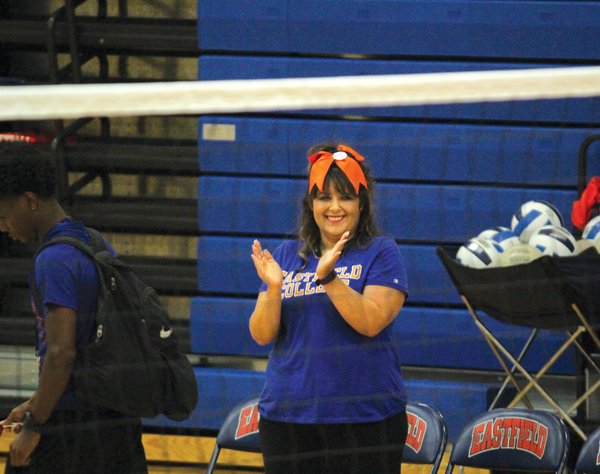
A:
{"x": 75, "y": 101}
{"x": 449, "y": 363}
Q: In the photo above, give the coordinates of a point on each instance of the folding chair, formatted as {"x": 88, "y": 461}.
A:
{"x": 427, "y": 436}
{"x": 425, "y": 443}
{"x": 588, "y": 461}
{"x": 553, "y": 293}
{"x": 517, "y": 439}
{"x": 239, "y": 431}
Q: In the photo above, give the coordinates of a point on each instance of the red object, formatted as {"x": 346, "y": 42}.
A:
{"x": 29, "y": 136}
{"x": 582, "y": 209}
{"x": 323, "y": 160}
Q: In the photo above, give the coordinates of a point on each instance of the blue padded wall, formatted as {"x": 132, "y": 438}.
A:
{"x": 430, "y": 337}
{"x": 425, "y": 212}
{"x": 220, "y": 390}
{"x": 445, "y": 172}
{"x": 518, "y": 29}
{"x": 224, "y": 267}
{"x": 403, "y": 151}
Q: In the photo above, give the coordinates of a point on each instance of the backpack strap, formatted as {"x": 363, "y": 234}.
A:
{"x": 96, "y": 245}
{"x": 91, "y": 249}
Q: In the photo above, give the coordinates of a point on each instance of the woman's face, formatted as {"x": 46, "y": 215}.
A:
{"x": 335, "y": 213}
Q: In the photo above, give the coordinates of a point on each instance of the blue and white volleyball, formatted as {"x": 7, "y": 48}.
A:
{"x": 503, "y": 236}
{"x": 479, "y": 252}
{"x": 554, "y": 241}
{"x": 592, "y": 230}
{"x": 533, "y": 215}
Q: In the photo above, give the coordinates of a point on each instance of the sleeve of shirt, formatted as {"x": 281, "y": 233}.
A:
{"x": 61, "y": 273}
{"x": 388, "y": 267}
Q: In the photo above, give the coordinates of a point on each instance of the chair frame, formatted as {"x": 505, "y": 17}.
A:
{"x": 234, "y": 421}
{"x": 433, "y": 416}
{"x": 549, "y": 274}
{"x": 573, "y": 336}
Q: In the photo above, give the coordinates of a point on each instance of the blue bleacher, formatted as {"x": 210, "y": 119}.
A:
{"x": 493, "y": 29}
{"x": 225, "y": 267}
{"x": 426, "y": 212}
{"x": 431, "y": 337}
{"x": 219, "y": 390}
{"x": 445, "y": 172}
{"x": 403, "y": 151}
{"x": 558, "y": 111}
{"x": 222, "y": 389}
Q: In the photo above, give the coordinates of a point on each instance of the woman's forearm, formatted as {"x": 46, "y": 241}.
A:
{"x": 266, "y": 318}
{"x": 367, "y": 313}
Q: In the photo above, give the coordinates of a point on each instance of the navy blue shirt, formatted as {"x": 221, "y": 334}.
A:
{"x": 320, "y": 369}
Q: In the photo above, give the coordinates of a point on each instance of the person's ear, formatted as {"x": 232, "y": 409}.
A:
{"x": 32, "y": 200}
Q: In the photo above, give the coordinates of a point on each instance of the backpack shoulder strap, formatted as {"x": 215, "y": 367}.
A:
{"x": 91, "y": 249}
{"x": 96, "y": 245}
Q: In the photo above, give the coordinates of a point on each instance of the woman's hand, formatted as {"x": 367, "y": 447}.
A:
{"x": 328, "y": 259}
{"x": 267, "y": 268}
{"x": 266, "y": 318}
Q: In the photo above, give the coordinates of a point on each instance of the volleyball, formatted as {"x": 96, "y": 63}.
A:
{"x": 503, "y": 236}
{"x": 479, "y": 252}
{"x": 592, "y": 229}
{"x": 531, "y": 216}
{"x": 554, "y": 241}
{"x": 583, "y": 244}
{"x": 519, "y": 254}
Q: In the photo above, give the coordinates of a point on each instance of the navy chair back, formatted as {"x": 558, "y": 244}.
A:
{"x": 513, "y": 439}
{"x": 588, "y": 461}
{"x": 427, "y": 436}
{"x": 239, "y": 431}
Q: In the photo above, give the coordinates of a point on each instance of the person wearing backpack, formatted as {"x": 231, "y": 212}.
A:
{"x": 55, "y": 433}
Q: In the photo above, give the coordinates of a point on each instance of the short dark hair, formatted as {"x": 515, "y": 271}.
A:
{"x": 367, "y": 227}
{"x": 26, "y": 168}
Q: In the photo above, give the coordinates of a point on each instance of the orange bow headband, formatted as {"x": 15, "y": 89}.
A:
{"x": 323, "y": 160}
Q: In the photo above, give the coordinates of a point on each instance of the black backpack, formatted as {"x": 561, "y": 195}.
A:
{"x": 134, "y": 365}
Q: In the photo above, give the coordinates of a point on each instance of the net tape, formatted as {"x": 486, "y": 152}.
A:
{"x": 46, "y": 102}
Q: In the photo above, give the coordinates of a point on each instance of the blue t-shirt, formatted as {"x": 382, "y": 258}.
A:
{"x": 65, "y": 276}
{"x": 320, "y": 369}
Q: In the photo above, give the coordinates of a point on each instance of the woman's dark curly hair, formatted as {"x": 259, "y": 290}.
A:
{"x": 309, "y": 231}
{"x": 23, "y": 168}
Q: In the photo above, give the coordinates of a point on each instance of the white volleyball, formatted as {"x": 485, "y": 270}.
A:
{"x": 503, "y": 236}
{"x": 518, "y": 254}
{"x": 531, "y": 216}
{"x": 479, "y": 252}
{"x": 592, "y": 230}
{"x": 554, "y": 241}
{"x": 583, "y": 244}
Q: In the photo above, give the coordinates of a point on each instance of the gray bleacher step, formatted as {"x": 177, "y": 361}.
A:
{"x": 163, "y": 274}
{"x": 114, "y": 35}
{"x": 127, "y": 214}
{"x": 17, "y": 329}
{"x": 146, "y": 158}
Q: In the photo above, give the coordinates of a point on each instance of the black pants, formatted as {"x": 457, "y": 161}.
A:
{"x": 101, "y": 443}
{"x": 345, "y": 448}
